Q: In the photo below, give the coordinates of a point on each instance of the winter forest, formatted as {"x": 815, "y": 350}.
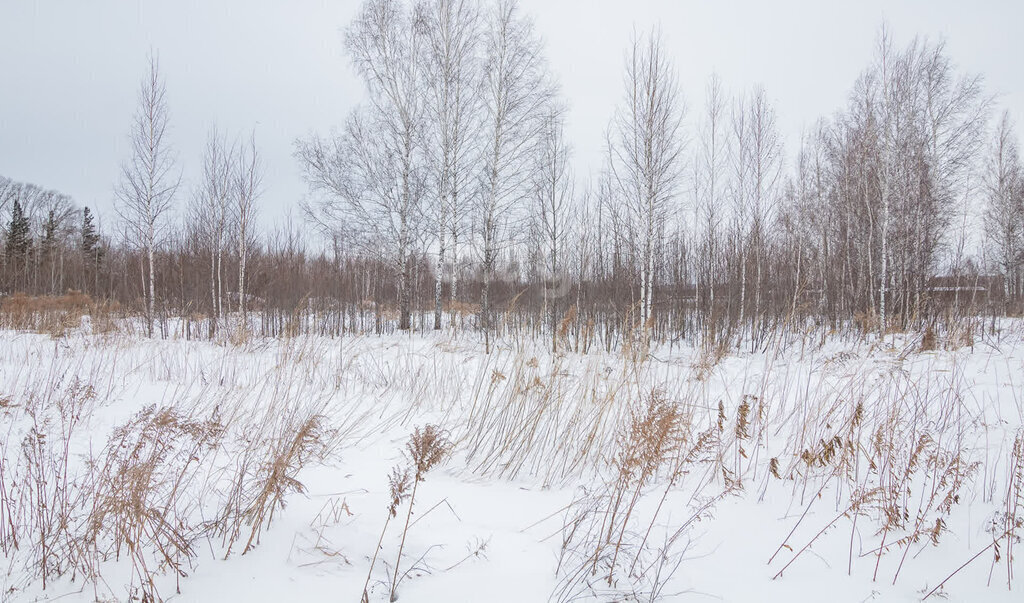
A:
{"x": 716, "y": 368}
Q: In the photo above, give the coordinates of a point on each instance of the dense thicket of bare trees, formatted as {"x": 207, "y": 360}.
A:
{"x": 451, "y": 188}
{"x": 374, "y": 173}
{"x": 1004, "y": 211}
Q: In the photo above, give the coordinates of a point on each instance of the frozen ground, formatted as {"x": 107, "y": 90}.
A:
{"x": 896, "y": 466}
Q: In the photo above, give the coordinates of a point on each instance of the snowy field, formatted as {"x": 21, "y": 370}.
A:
{"x": 822, "y": 468}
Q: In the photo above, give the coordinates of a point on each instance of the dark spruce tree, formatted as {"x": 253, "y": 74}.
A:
{"x": 47, "y": 257}
{"x": 92, "y": 251}
{"x": 90, "y": 238}
{"x": 17, "y": 246}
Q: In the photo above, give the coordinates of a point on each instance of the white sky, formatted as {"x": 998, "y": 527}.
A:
{"x": 70, "y": 71}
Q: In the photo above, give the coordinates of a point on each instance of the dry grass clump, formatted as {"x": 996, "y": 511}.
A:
{"x": 961, "y": 332}
{"x": 464, "y": 309}
{"x": 554, "y": 421}
{"x": 1006, "y": 523}
{"x": 708, "y": 357}
{"x": 568, "y": 318}
{"x": 654, "y": 436}
{"x": 928, "y": 339}
{"x": 866, "y": 323}
{"x": 142, "y": 503}
{"x": 608, "y": 545}
{"x": 135, "y": 498}
{"x": 198, "y": 467}
{"x": 278, "y": 473}
{"x": 547, "y": 423}
{"x": 951, "y": 333}
{"x": 266, "y": 472}
{"x": 902, "y": 466}
{"x": 145, "y": 496}
{"x": 733, "y": 459}
{"x": 8, "y": 509}
{"x": 55, "y": 314}
{"x": 23, "y": 305}
{"x": 1009, "y": 521}
{"x": 240, "y": 334}
{"x": 38, "y": 491}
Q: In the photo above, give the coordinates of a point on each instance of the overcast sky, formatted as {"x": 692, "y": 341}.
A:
{"x": 70, "y": 71}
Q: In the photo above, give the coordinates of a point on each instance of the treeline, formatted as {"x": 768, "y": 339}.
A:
{"x": 448, "y": 198}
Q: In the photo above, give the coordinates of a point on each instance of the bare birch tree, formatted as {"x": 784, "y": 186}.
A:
{"x": 765, "y": 157}
{"x": 710, "y": 180}
{"x": 646, "y": 151}
{"x": 248, "y": 181}
{"x": 149, "y": 179}
{"x": 516, "y": 90}
{"x": 739, "y": 195}
{"x": 453, "y": 78}
{"x": 211, "y": 209}
{"x": 553, "y": 212}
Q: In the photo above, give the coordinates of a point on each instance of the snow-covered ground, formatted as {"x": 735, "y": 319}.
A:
{"x": 825, "y": 468}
